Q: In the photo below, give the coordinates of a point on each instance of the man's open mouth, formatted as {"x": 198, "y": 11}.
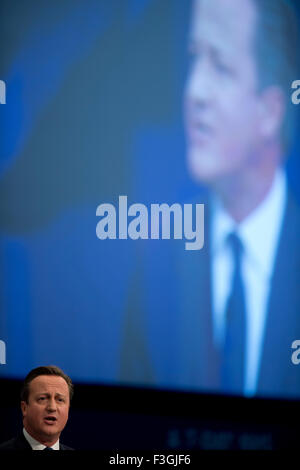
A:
{"x": 50, "y": 419}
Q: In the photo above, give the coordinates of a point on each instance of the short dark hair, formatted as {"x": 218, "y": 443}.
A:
{"x": 276, "y": 45}
{"x": 44, "y": 370}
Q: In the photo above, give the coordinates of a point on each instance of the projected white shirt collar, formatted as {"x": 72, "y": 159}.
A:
{"x": 259, "y": 234}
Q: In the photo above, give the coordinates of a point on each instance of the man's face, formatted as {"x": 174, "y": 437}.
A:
{"x": 222, "y": 105}
{"x": 46, "y": 413}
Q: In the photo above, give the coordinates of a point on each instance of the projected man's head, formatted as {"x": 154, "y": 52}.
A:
{"x": 237, "y": 87}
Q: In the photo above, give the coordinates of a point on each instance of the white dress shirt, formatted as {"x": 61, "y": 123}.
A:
{"x": 259, "y": 234}
{"x": 36, "y": 445}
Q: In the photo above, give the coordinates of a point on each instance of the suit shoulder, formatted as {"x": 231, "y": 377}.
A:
{"x": 9, "y": 445}
{"x": 64, "y": 447}
{"x": 16, "y": 443}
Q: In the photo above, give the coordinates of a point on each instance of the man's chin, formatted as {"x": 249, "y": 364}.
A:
{"x": 208, "y": 168}
{"x": 43, "y": 434}
{"x": 203, "y": 169}
{"x": 48, "y": 430}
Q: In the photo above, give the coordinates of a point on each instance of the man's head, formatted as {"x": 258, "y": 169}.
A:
{"x": 238, "y": 86}
{"x": 45, "y": 401}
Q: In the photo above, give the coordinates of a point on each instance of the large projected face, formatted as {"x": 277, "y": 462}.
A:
{"x": 222, "y": 105}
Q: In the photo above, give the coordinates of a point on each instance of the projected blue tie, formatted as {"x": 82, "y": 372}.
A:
{"x": 233, "y": 356}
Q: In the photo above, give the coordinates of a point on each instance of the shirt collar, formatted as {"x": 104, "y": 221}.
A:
{"x": 36, "y": 445}
{"x": 266, "y": 219}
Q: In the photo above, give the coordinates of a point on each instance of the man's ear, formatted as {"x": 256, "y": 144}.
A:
{"x": 24, "y": 408}
{"x": 272, "y": 108}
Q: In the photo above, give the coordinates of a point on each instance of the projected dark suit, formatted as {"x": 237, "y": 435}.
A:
{"x": 169, "y": 342}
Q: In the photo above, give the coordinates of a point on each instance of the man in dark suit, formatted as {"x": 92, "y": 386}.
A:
{"x": 45, "y": 403}
{"x": 224, "y": 319}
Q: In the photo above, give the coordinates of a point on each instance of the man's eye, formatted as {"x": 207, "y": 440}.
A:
{"x": 41, "y": 398}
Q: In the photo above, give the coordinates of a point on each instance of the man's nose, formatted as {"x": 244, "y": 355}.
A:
{"x": 200, "y": 85}
{"x": 51, "y": 404}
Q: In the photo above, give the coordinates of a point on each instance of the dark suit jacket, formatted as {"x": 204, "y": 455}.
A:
{"x": 20, "y": 443}
{"x": 168, "y": 331}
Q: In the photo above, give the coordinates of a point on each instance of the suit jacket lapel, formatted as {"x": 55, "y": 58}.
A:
{"x": 22, "y": 443}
